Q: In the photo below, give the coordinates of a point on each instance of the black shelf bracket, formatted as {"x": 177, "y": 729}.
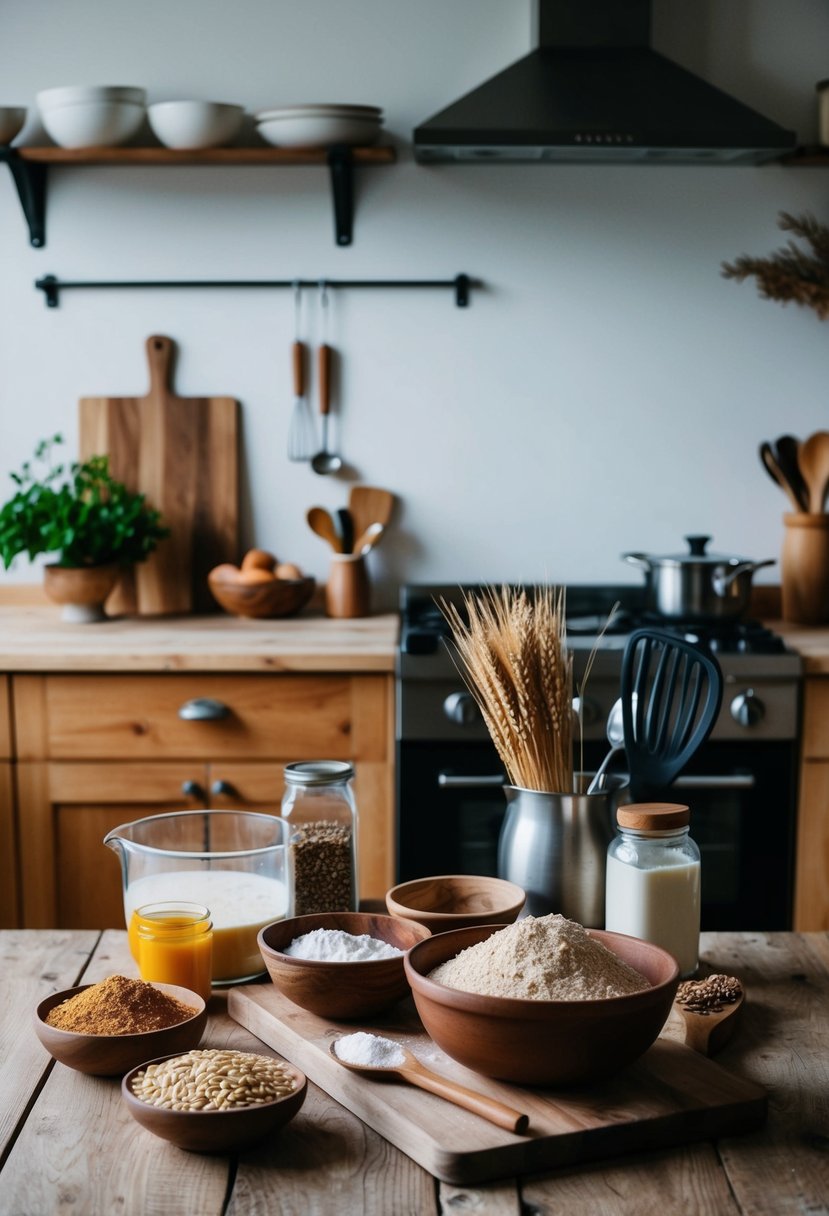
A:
{"x": 342, "y": 191}
{"x": 460, "y": 285}
{"x": 30, "y": 181}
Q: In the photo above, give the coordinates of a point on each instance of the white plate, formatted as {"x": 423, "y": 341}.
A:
{"x": 318, "y": 131}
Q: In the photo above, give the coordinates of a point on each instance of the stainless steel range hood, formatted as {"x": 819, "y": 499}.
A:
{"x": 595, "y": 91}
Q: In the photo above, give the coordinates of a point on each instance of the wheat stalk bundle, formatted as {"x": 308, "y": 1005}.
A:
{"x": 514, "y": 660}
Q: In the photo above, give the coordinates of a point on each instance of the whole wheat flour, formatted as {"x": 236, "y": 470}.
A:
{"x": 544, "y": 958}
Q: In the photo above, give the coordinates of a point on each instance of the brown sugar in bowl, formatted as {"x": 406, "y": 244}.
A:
{"x": 347, "y": 989}
{"x": 111, "y": 1055}
{"x": 456, "y": 901}
{"x": 542, "y": 1042}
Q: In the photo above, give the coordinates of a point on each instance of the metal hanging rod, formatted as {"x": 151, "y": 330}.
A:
{"x": 51, "y": 286}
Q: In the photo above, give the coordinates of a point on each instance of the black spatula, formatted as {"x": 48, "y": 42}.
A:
{"x": 671, "y": 695}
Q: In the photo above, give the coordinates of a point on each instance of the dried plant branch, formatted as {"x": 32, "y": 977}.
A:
{"x": 791, "y": 274}
{"x": 514, "y": 659}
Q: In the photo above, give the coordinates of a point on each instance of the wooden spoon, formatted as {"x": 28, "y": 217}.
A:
{"x": 786, "y": 449}
{"x": 708, "y": 1032}
{"x": 369, "y": 505}
{"x": 418, "y": 1074}
{"x": 369, "y": 538}
{"x": 321, "y": 522}
{"x": 813, "y": 459}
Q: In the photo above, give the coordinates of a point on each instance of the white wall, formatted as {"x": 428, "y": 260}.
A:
{"x": 606, "y": 391}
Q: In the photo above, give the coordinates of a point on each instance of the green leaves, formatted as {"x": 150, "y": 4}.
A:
{"x": 78, "y": 511}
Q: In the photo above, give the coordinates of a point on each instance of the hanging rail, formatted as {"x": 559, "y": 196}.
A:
{"x": 51, "y": 286}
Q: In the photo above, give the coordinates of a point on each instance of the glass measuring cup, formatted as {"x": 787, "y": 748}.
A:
{"x": 232, "y": 862}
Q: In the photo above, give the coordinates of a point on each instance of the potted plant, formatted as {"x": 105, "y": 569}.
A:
{"x": 94, "y": 524}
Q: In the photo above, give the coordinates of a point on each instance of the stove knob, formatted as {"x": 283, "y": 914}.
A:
{"x": 747, "y": 708}
{"x": 460, "y": 708}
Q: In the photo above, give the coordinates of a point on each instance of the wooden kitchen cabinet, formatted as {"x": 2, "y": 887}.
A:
{"x": 811, "y": 910}
{"x": 9, "y": 909}
{"x": 93, "y": 751}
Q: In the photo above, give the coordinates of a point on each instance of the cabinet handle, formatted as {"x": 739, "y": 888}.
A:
{"x": 203, "y": 709}
{"x": 192, "y": 789}
{"x": 223, "y": 787}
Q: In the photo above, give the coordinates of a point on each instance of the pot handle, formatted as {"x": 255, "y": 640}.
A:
{"x": 721, "y": 582}
{"x": 638, "y": 559}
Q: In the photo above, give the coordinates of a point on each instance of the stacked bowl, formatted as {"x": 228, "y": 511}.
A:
{"x": 319, "y": 125}
{"x": 91, "y": 116}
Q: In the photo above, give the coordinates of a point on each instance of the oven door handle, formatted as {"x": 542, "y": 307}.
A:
{"x": 453, "y": 781}
{"x": 726, "y": 781}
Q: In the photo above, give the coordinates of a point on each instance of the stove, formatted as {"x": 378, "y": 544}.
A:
{"x": 741, "y": 785}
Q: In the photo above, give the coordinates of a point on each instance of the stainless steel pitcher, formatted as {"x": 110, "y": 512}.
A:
{"x": 555, "y": 847}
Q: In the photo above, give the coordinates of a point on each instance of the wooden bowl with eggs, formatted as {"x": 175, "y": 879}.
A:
{"x": 261, "y": 587}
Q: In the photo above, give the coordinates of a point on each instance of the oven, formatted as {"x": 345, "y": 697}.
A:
{"x": 741, "y": 785}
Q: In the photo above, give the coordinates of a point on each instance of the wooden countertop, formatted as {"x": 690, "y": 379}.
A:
{"x": 33, "y": 638}
{"x": 811, "y": 642}
{"x": 67, "y": 1141}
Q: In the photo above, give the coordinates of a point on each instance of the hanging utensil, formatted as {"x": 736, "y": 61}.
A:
{"x": 786, "y": 450}
{"x": 302, "y": 435}
{"x": 678, "y": 692}
{"x": 615, "y": 731}
{"x": 325, "y": 461}
{"x": 813, "y": 459}
{"x": 777, "y": 475}
{"x": 322, "y": 522}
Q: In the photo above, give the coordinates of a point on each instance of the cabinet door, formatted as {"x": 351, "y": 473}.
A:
{"x": 9, "y": 912}
{"x": 69, "y": 878}
{"x": 811, "y": 902}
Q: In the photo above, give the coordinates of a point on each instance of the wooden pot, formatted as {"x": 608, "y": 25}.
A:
{"x": 805, "y": 569}
{"x": 347, "y": 592}
{"x": 80, "y": 590}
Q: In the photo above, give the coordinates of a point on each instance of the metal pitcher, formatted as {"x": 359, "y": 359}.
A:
{"x": 555, "y": 847}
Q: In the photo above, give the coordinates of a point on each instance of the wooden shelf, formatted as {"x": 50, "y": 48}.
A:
{"x": 29, "y": 169}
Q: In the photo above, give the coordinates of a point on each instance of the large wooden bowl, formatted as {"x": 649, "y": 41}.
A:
{"x": 456, "y": 901}
{"x": 215, "y": 1131}
{"x": 275, "y": 597}
{"x": 111, "y": 1055}
{"x": 343, "y": 990}
{"x": 542, "y": 1042}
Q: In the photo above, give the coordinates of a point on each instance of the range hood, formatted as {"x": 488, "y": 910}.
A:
{"x": 595, "y": 91}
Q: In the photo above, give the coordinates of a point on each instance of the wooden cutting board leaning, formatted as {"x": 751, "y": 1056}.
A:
{"x": 672, "y": 1095}
{"x": 182, "y": 453}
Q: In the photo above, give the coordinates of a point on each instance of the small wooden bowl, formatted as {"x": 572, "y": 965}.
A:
{"x": 542, "y": 1042}
{"x": 275, "y": 597}
{"x": 456, "y": 901}
{"x": 340, "y": 990}
{"x": 214, "y": 1131}
{"x": 111, "y": 1055}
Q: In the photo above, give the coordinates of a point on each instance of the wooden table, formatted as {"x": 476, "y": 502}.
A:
{"x": 68, "y": 1144}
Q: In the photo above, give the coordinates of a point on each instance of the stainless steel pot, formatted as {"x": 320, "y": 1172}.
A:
{"x": 697, "y": 585}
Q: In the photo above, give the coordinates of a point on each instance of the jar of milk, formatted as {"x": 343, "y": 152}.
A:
{"x": 652, "y": 886}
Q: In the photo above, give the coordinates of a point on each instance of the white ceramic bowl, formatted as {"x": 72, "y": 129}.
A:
{"x": 318, "y": 131}
{"x": 320, "y": 108}
{"x": 92, "y": 124}
{"x": 72, "y": 93}
{"x": 195, "y": 124}
{"x": 12, "y": 119}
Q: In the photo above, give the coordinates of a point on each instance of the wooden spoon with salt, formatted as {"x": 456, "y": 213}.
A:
{"x": 418, "y": 1074}
{"x": 707, "y": 1032}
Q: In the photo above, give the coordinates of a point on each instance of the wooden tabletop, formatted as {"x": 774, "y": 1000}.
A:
{"x": 68, "y": 1144}
{"x": 33, "y": 638}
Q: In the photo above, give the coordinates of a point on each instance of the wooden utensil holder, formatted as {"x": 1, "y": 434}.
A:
{"x": 805, "y": 569}
{"x": 347, "y": 592}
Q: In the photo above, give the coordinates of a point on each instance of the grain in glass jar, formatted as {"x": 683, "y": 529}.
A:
{"x": 653, "y": 880}
{"x": 319, "y": 808}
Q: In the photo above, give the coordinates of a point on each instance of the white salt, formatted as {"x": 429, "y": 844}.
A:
{"x": 336, "y": 946}
{"x": 370, "y": 1050}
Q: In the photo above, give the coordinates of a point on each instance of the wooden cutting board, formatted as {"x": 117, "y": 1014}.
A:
{"x": 182, "y": 453}
{"x": 671, "y": 1096}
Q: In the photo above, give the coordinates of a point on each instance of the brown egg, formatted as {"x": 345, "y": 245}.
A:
{"x": 258, "y": 559}
{"x": 288, "y": 570}
{"x": 256, "y": 575}
{"x": 226, "y": 572}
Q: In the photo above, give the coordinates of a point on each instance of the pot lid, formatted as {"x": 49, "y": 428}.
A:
{"x": 696, "y": 555}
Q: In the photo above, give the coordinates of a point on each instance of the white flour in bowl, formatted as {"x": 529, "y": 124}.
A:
{"x": 544, "y": 958}
{"x": 337, "y": 946}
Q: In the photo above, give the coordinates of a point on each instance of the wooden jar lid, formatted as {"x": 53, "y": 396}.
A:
{"x": 653, "y": 816}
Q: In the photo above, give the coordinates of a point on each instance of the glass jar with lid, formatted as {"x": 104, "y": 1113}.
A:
{"x": 653, "y": 880}
{"x": 321, "y": 815}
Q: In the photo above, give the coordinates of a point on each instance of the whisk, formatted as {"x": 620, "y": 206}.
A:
{"x": 302, "y": 434}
